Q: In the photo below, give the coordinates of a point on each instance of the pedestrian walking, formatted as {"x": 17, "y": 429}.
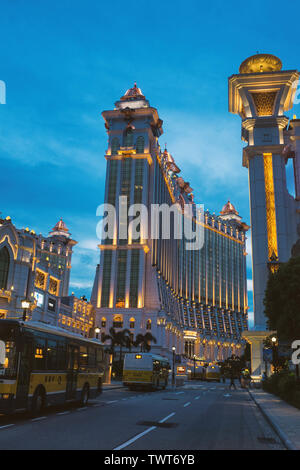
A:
{"x": 232, "y": 383}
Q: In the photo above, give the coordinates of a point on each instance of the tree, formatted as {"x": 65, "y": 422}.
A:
{"x": 282, "y": 300}
{"x": 112, "y": 337}
{"x": 144, "y": 341}
{"x": 122, "y": 340}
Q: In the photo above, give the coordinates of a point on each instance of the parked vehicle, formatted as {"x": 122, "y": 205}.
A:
{"x": 145, "y": 370}
{"x": 42, "y": 365}
{"x": 213, "y": 373}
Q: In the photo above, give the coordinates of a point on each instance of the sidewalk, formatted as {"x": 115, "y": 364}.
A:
{"x": 113, "y": 385}
{"x": 284, "y": 418}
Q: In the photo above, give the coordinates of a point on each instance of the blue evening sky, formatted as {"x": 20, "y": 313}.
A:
{"x": 65, "y": 61}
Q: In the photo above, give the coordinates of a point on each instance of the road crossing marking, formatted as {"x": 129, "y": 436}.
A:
{"x": 138, "y": 436}
{"x": 112, "y": 401}
{"x": 39, "y": 419}
{"x": 167, "y": 417}
{"x": 127, "y": 443}
{"x": 6, "y": 426}
{"x": 63, "y": 413}
{"x": 186, "y": 404}
{"x": 178, "y": 393}
{"x": 197, "y": 398}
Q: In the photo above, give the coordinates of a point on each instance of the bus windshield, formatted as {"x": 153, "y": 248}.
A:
{"x": 7, "y": 359}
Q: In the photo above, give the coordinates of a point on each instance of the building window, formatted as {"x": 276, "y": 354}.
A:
{"x": 118, "y": 321}
{"x": 115, "y": 145}
{"x": 134, "y": 278}
{"x": 103, "y": 322}
{"x": 121, "y": 278}
{"x": 131, "y": 323}
{"x": 128, "y": 138}
{"x": 40, "y": 279}
{"x": 4, "y": 267}
{"x": 140, "y": 144}
{"x": 53, "y": 286}
{"x": 148, "y": 324}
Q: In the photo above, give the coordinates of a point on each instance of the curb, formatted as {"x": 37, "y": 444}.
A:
{"x": 115, "y": 387}
{"x": 282, "y": 436}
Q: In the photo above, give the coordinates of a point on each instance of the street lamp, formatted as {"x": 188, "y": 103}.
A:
{"x": 274, "y": 352}
{"x": 97, "y": 331}
{"x": 25, "y": 305}
{"x": 173, "y": 368}
{"x": 194, "y": 366}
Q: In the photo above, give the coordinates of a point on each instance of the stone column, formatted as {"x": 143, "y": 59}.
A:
{"x": 256, "y": 339}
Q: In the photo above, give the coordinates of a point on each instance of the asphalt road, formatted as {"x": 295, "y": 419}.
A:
{"x": 197, "y": 416}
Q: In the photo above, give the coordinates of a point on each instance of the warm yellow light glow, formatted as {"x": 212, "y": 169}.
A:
{"x": 270, "y": 205}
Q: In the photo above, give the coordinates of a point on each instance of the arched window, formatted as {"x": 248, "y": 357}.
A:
{"x": 118, "y": 321}
{"x": 140, "y": 144}
{"x": 4, "y": 267}
{"x": 103, "y": 322}
{"x": 148, "y": 324}
{"x": 128, "y": 138}
{"x": 131, "y": 322}
{"x": 115, "y": 145}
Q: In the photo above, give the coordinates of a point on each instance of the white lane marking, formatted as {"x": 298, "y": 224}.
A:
{"x": 197, "y": 398}
{"x": 39, "y": 419}
{"x": 186, "y": 404}
{"x": 167, "y": 417}
{"x": 179, "y": 393}
{"x": 127, "y": 443}
{"x": 63, "y": 413}
{"x": 111, "y": 401}
{"x": 124, "y": 398}
{"x": 227, "y": 395}
{"x": 82, "y": 409}
{"x": 6, "y": 426}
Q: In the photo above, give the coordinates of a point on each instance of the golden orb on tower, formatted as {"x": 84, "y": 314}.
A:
{"x": 261, "y": 63}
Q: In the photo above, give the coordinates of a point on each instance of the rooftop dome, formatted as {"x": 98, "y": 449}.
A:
{"x": 133, "y": 93}
{"x": 229, "y": 209}
{"x": 60, "y": 228}
{"x": 261, "y": 63}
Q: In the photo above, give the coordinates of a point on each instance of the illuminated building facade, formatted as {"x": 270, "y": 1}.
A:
{"x": 76, "y": 315}
{"x": 260, "y": 94}
{"x": 193, "y": 300}
{"x": 36, "y": 269}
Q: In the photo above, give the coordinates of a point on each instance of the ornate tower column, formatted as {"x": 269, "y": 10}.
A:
{"x": 260, "y": 94}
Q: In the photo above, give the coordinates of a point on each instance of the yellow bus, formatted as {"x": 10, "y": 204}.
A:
{"x": 42, "y": 365}
{"x": 145, "y": 370}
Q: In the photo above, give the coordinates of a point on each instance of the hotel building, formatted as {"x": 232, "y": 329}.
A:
{"x": 35, "y": 277}
{"x": 192, "y": 299}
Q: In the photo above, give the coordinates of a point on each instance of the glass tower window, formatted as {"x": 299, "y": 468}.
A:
{"x": 4, "y": 267}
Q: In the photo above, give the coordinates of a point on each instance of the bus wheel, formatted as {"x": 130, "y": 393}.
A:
{"x": 85, "y": 395}
{"x": 38, "y": 401}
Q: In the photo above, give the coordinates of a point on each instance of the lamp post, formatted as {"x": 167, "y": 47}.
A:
{"x": 274, "y": 352}
{"x": 25, "y": 305}
{"x": 97, "y": 331}
{"x": 194, "y": 366}
{"x": 173, "y": 368}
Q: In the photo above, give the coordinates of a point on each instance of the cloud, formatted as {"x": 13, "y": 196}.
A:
{"x": 89, "y": 244}
{"x": 79, "y": 284}
{"x": 211, "y": 146}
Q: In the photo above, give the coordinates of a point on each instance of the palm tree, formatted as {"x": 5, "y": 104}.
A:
{"x": 117, "y": 338}
{"x": 113, "y": 337}
{"x": 122, "y": 339}
{"x": 144, "y": 341}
